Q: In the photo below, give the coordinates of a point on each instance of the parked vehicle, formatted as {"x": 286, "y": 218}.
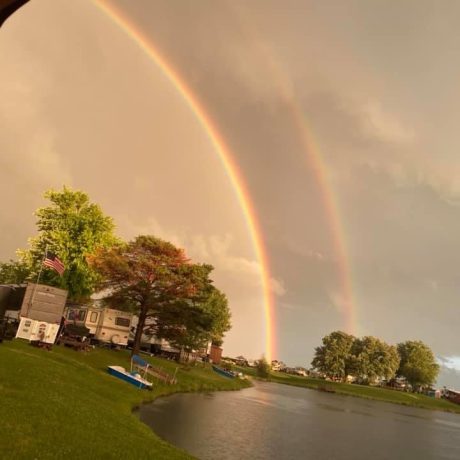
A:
{"x": 41, "y": 313}
{"x": 106, "y": 325}
{"x": 300, "y": 371}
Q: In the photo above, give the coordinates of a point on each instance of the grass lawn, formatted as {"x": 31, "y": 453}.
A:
{"x": 63, "y": 404}
{"x": 362, "y": 391}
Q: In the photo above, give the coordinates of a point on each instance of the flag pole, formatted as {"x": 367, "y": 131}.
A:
{"x": 32, "y": 298}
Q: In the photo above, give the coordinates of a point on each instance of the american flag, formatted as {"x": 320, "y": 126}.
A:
{"x": 52, "y": 261}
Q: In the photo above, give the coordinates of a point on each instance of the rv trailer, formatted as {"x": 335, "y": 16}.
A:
{"x": 41, "y": 312}
{"x": 105, "y": 325}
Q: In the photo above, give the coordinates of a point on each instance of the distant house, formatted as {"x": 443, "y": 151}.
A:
{"x": 452, "y": 395}
{"x": 241, "y": 361}
{"x": 277, "y": 365}
{"x": 398, "y": 383}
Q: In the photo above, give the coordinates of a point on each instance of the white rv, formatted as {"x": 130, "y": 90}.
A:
{"x": 41, "y": 313}
{"x": 105, "y": 324}
{"x": 149, "y": 341}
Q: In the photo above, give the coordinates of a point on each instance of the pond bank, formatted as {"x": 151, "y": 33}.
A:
{"x": 64, "y": 403}
{"x": 361, "y": 391}
{"x": 272, "y": 422}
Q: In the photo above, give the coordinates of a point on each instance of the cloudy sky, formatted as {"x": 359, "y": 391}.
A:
{"x": 375, "y": 84}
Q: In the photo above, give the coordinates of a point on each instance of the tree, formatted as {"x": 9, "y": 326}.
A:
{"x": 263, "y": 368}
{"x": 14, "y": 272}
{"x": 149, "y": 276}
{"x": 71, "y": 227}
{"x": 418, "y": 364}
{"x": 371, "y": 358}
{"x": 332, "y": 357}
{"x": 193, "y": 322}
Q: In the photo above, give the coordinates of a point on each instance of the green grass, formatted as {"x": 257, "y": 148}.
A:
{"x": 361, "y": 391}
{"x": 63, "y": 404}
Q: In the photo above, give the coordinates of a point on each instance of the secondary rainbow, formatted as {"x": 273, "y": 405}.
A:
{"x": 346, "y": 301}
{"x": 222, "y": 150}
{"x": 317, "y": 163}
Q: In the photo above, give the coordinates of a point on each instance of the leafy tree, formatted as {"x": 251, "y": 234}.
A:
{"x": 14, "y": 272}
{"x": 71, "y": 227}
{"x": 263, "y": 368}
{"x": 371, "y": 358}
{"x": 332, "y": 358}
{"x": 150, "y": 276}
{"x": 418, "y": 364}
{"x": 193, "y": 322}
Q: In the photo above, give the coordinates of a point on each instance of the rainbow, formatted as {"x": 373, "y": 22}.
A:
{"x": 317, "y": 163}
{"x": 225, "y": 155}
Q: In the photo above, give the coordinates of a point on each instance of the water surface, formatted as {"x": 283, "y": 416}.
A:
{"x": 271, "y": 421}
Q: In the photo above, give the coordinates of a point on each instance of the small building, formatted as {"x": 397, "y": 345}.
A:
{"x": 277, "y": 365}
{"x": 240, "y": 361}
{"x": 215, "y": 354}
{"x": 452, "y": 395}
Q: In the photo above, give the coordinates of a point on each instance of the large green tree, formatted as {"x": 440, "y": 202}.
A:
{"x": 193, "y": 322}
{"x": 14, "y": 272}
{"x": 332, "y": 357}
{"x": 153, "y": 278}
{"x": 418, "y": 363}
{"x": 72, "y": 228}
{"x": 371, "y": 359}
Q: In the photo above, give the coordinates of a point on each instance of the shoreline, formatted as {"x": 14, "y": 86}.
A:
{"x": 64, "y": 403}
{"x": 361, "y": 391}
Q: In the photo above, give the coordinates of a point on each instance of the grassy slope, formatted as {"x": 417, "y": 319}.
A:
{"x": 380, "y": 394}
{"x": 63, "y": 403}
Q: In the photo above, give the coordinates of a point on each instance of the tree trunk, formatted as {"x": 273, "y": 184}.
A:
{"x": 140, "y": 329}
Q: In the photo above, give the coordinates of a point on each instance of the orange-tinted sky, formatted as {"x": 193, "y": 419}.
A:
{"x": 377, "y": 87}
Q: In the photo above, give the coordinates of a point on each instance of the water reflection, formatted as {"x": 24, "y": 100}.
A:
{"x": 273, "y": 421}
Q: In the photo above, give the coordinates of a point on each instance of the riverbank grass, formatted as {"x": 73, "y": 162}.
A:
{"x": 361, "y": 391}
{"x": 62, "y": 403}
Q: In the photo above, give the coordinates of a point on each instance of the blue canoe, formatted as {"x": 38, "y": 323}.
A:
{"x": 134, "y": 378}
{"x": 223, "y": 372}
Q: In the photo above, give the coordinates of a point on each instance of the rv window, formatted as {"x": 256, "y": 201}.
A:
{"x": 122, "y": 321}
{"x": 93, "y": 317}
{"x": 76, "y": 315}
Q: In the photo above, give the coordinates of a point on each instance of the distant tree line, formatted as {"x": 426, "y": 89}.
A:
{"x": 147, "y": 276}
{"x": 369, "y": 359}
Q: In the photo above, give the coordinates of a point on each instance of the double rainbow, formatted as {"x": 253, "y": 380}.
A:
{"x": 235, "y": 176}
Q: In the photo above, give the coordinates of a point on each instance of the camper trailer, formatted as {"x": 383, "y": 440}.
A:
{"x": 41, "y": 312}
{"x": 150, "y": 342}
{"x": 105, "y": 325}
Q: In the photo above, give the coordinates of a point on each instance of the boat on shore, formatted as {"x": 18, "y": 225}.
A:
{"x": 133, "y": 378}
{"x": 223, "y": 372}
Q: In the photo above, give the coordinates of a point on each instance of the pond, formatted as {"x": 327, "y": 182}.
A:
{"x": 272, "y": 421}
